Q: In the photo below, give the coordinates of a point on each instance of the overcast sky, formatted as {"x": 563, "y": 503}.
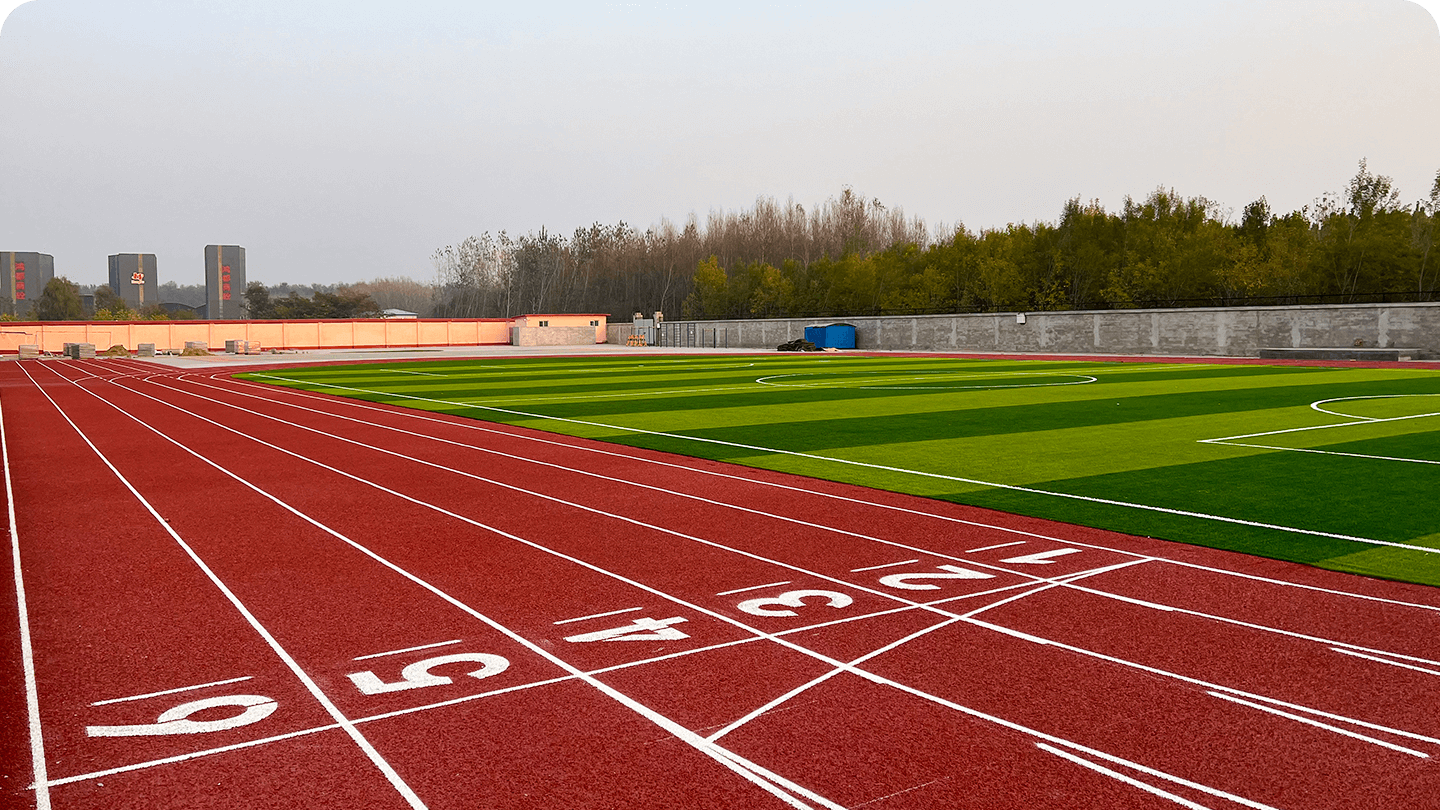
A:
{"x": 345, "y": 140}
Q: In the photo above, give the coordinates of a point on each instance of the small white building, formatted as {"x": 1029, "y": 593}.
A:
{"x": 398, "y": 313}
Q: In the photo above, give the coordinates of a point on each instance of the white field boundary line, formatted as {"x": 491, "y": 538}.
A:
{"x": 1320, "y": 452}
{"x": 1362, "y": 420}
{"x": 484, "y": 428}
{"x": 1230, "y": 441}
{"x": 880, "y": 680}
{"x": 330, "y": 708}
{"x": 918, "y": 375}
{"x": 509, "y": 689}
{"x": 809, "y": 524}
{"x": 27, "y": 653}
{"x": 884, "y": 467}
{"x": 749, "y": 387}
{"x": 771, "y": 783}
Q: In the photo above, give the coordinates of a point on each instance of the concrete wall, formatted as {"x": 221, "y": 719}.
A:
{"x": 1227, "y": 332}
{"x": 50, "y": 336}
{"x": 556, "y": 335}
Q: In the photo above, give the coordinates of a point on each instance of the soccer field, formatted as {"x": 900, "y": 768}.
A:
{"x": 1335, "y": 467}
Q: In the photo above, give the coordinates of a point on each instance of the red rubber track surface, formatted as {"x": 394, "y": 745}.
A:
{"x": 343, "y": 604}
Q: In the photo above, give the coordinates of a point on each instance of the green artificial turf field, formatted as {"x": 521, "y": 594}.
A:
{"x": 1147, "y": 449}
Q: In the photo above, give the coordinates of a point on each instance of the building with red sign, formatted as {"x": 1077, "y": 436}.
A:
{"x": 132, "y": 277}
{"x": 224, "y": 282}
{"x": 23, "y": 277}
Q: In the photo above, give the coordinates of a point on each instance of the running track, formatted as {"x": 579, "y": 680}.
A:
{"x": 236, "y": 596}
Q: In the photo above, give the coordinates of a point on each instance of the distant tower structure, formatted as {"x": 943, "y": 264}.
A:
{"x": 224, "y": 282}
{"x": 132, "y": 277}
{"x": 23, "y": 277}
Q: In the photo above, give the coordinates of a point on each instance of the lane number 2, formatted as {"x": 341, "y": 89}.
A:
{"x": 907, "y": 582}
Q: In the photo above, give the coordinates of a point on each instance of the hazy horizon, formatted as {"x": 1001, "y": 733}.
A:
{"x": 347, "y": 141}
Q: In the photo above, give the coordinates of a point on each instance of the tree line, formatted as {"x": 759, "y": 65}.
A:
{"x": 851, "y": 256}
{"x": 64, "y": 300}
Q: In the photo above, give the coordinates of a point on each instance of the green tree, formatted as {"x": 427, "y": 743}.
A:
{"x": 258, "y": 305}
{"x": 1424, "y": 228}
{"x": 108, "y": 299}
{"x": 1363, "y": 236}
{"x": 60, "y": 301}
{"x": 710, "y": 295}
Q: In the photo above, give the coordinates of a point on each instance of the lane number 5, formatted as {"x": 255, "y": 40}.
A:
{"x": 418, "y": 675}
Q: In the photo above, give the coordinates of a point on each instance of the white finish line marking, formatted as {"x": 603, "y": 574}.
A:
{"x": 992, "y": 548}
{"x": 1129, "y": 780}
{"x": 598, "y": 615}
{"x": 406, "y": 650}
{"x": 1317, "y": 724}
{"x": 878, "y": 567}
{"x": 1386, "y": 661}
{"x": 753, "y": 588}
{"x": 168, "y": 691}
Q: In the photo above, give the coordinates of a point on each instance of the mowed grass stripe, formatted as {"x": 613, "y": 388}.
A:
{"x": 1134, "y": 435}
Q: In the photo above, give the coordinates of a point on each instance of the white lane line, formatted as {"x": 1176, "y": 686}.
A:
{"x": 169, "y": 691}
{"x": 364, "y": 744}
{"x": 1242, "y": 623}
{"x": 1386, "y": 661}
{"x": 970, "y": 561}
{"x": 752, "y": 773}
{"x": 886, "y": 565}
{"x": 887, "y": 468}
{"x": 410, "y": 414}
{"x": 992, "y": 548}
{"x": 698, "y": 741}
{"x": 1317, "y": 724}
{"x": 27, "y": 653}
{"x": 1129, "y": 780}
{"x": 754, "y": 588}
{"x": 1044, "y": 642}
{"x": 406, "y": 650}
{"x": 598, "y": 615}
{"x": 533, "y": 684}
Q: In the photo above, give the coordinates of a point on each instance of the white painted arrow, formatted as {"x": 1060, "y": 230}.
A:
{"x": 1042, "y": 558}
